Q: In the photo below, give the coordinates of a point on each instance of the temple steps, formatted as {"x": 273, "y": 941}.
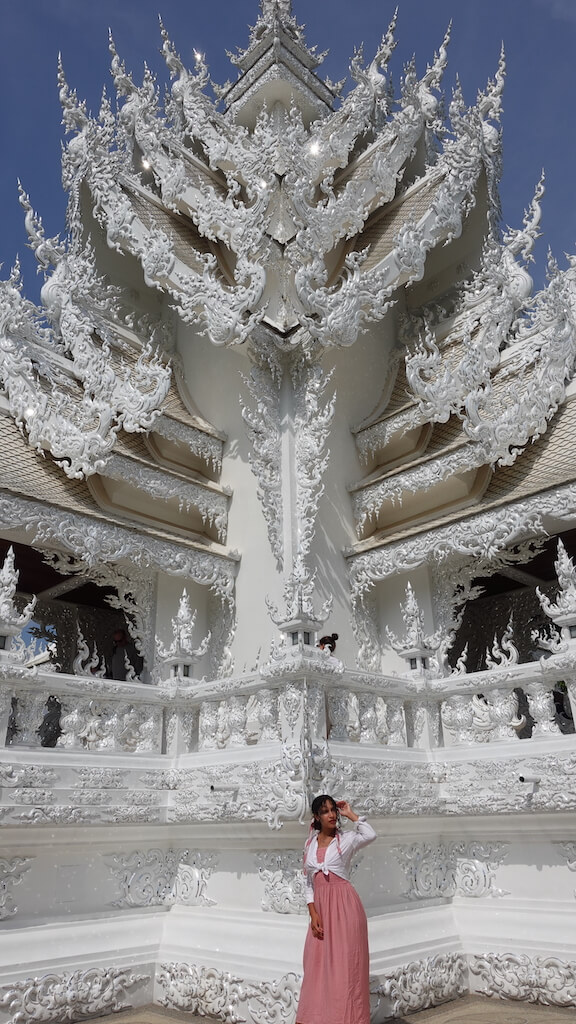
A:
{"x": 470, "y": 1010}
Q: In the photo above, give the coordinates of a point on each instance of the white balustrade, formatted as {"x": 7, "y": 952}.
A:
{"x": 80, "y": 713}
{"x": 542, "y": 708}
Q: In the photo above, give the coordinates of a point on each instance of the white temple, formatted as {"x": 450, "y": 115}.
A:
{"x": 288, "y": 377}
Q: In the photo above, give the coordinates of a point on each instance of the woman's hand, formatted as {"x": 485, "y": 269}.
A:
{"x": 316, "y": 925}
{"x": 345, "y": 810}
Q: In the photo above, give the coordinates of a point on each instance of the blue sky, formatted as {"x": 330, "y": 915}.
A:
{"x": 540, "y": 97}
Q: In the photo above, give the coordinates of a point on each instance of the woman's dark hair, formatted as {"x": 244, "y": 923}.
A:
{"x": 328, "y": 641}
{"x": 317, "y": 805}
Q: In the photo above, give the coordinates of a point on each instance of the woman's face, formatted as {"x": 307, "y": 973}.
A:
{"x": 327, "y": 816}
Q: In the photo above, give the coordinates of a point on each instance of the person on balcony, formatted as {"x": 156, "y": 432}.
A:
{"x": 124, "y": 656}
{"x": 328, "y": 642}
{"x": 335, "y": 987}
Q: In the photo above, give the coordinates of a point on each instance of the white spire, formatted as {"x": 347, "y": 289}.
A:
{"x": 272, "y": 9}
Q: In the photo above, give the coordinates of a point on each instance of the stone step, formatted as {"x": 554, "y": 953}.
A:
{"x": 479, "y": 1010}
{"x": 470, "y": 1010}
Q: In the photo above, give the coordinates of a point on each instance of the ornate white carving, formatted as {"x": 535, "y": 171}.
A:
{"x": 503, "y": 653}
{"x": 97, "y": 542}
{"x": 563, "y": 610}
{"x": 488, "y": 305}
{"x": 532, "y": 979}
{"x": 213, "y": 993}
{"x": 96, "y": 725}
{"x": 78, "y": 425}
{"x": 263, "y": 429}
{"x": 367, "y": 499}
{"x": 180, "y": 655}
{"x": 211, "y": 503}
{"x": 482, "y": 536}
{"x": 299, "y": 615}
{"x": 33, "y": 775}
{"x": 30, "y": 707}
{"x": 426, "y": 655}
{"x": 284, "y": 882}
{"x": 71, "y": 996}
{"x": 11, "y": 873}
{"x": 85, "y": 663}
{"x": 199, "y": 443}
{"x": 542, "y": 708}
{"x": 423, "y": 983}
{"x": 366, "y": 631}
{"x": 12, "y": 621}
{"x": 451, "y": 869}
{"x": 101, "y": 778}
{"x": 395, "y": 722}
{"x": 312, "y": 420}
{"x": 475, "y": 718}
{"x": 162, "y": 877}
{"x": 192, "y": 879}
{"x": 94, "y": 815}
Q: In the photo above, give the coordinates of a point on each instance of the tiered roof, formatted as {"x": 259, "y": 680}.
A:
{"x": 277, "y": 218}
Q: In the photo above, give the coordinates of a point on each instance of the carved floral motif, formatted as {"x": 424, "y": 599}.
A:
{"x": 162, "y": 877}
{"x": 532, "y": 979}
{"x": 12, "y": 872}
{"x": 213, "y": 993}
{"x": 12, "y": 620}
{"x": 71, "y": 996}
{"x": 483, "y": 537}
{"x": 451, "y": 869}
{"x": 284, "y": 882}
{"x": 424, "y": 983}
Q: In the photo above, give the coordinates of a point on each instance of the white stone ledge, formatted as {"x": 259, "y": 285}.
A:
{"x": 71, "y": 945}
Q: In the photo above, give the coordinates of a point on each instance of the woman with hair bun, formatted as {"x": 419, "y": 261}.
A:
{"x": 328, "y": 641}
{"x": 335, "y": 988}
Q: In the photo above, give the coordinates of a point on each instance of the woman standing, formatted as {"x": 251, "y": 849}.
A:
{"x": 335, "y": 988}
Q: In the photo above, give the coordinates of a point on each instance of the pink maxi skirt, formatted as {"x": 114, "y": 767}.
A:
{"x": 336, "y": 987}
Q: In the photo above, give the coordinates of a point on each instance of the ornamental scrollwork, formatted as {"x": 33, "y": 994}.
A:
{"x": 533, "y": 979}
{"x": 212, "y": 504}
{"x": 284, "y": 883}
{"x": 161, "y": 877}
{"x": 181, "y": 654}
{"x": 12, "y": 619}
{"x": 263, "y": 428}
{"x": 210, "y": 992}
{"x": 423, "y": 983}
{"x": 451, "y": 869}
{"x": 484, "y": 536}
{"x": 98, "y": 542}
{"x": 32, "y": 775}
{"x": 12, "y": 871}
{"x": 71, "y": 996}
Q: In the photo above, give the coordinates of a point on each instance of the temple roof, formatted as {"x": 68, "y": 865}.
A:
{"x": 23, "y": 472}
{"x": 284, "y": 221}
{"x": 546, "y": 464}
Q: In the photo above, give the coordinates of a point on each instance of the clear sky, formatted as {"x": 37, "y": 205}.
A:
{"x": 539, "y": 102}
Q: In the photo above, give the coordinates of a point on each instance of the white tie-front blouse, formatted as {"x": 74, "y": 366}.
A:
{"x": 338, "y": 855}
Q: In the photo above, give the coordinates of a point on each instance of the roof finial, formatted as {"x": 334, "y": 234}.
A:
{"x": 272, "y": 9}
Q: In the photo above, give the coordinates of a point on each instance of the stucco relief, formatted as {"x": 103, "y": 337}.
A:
{"x": 71, "y": 996}
{"x": 423, "y": 983}
{"x": 213, "y": 993}
{"x": 284, "y": 883}
{"x": 533, "y": 979}
{"x": 12, "y": 871}
{"x": 158, "y": 877}
{"x": 445, "y": 869}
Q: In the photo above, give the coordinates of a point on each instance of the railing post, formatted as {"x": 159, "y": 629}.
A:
{"x": 30, "y": 708}
{"x": 6, "y": 697}
{"x": 542, "y": 707}
{"x": 396, "y": 722}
